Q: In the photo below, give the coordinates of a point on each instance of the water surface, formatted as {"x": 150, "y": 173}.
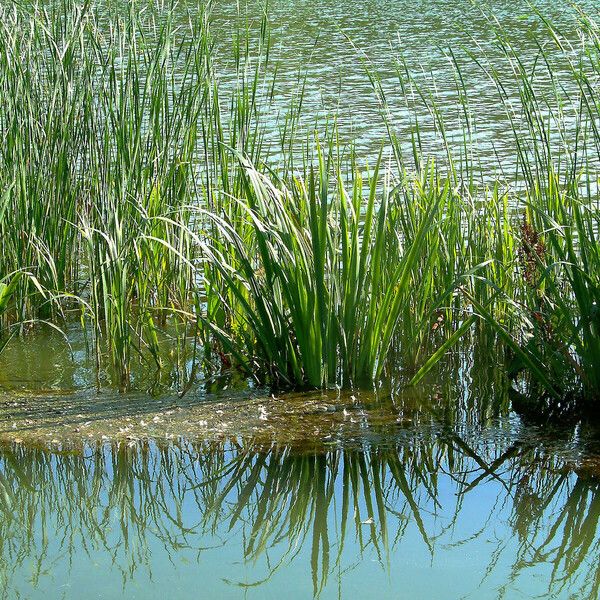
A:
{"x": 329, "y": 46}
{"x": 244, "y": 494}
{"x": 373, "y": 497}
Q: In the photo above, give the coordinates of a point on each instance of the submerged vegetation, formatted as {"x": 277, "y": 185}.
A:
{"x": 183, "y": 223}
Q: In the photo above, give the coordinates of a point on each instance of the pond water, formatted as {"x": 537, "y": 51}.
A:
{"x": 331, "y": 45}
{"x": 247, "y": 495}
{"x": 436, "y": 492}
{"x": 382, "y": 500}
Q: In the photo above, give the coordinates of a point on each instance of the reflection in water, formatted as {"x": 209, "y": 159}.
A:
{"x": 429, "y": 514}
{"x": 420, "y": 511}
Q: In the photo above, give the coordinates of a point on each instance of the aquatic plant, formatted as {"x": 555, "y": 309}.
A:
{"x": 554, "y": 330}
{"x": 155, "y": 202}
{"x": 318, "y": 281}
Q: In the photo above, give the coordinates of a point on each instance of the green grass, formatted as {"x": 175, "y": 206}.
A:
{"x": 142, "y": 195}
{"x": 318, "y": 280}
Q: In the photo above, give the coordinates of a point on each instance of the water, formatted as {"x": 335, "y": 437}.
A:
{"x": 441, "y": 493}
{"x": 417, "y": 508}
{"x": 328, "y": 494}
{"x": 332, "y": 44}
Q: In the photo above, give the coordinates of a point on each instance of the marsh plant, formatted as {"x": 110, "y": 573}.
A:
{"x": 141, "y": 194}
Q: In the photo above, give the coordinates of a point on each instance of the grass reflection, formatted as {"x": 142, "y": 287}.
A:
{"x": 142, "y": 504}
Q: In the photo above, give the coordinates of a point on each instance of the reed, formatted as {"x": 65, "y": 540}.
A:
{"x": 317, "y": 278}
{"x": 140, "y": 192}
{"x": 553, "y": 330}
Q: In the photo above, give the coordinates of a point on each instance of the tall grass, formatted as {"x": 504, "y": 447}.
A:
{"x": 100, "y": 135}
{"x": 553, "y": 297}
{"x": 320, "y": 280}
{"x": 140, "y": 191}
